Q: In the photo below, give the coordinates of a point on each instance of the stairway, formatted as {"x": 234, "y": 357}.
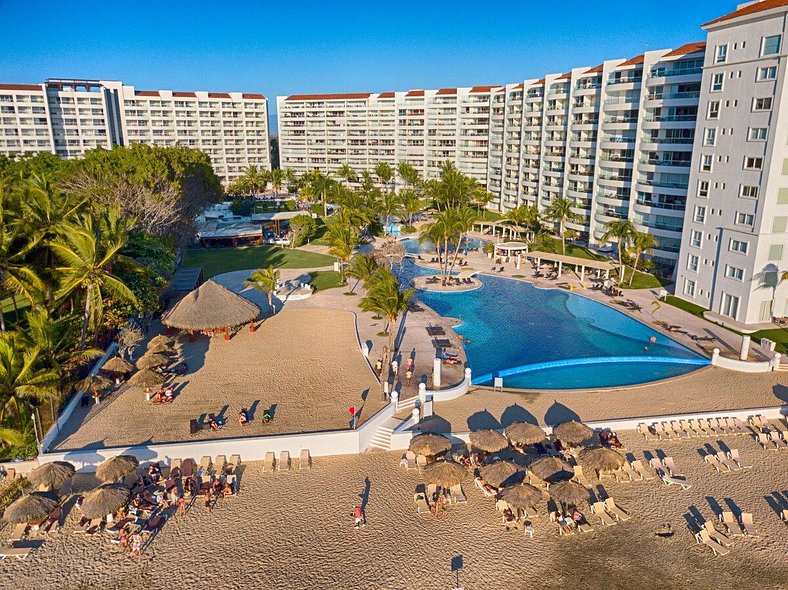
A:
{"x": 407, "y": 404}
{"x": 782, "y": 367}
{"x": 382, "y": 437}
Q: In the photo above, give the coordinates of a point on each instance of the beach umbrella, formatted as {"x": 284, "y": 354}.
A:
{"x": 488, "y": 441}
{"x": 116, "y": 467}
{"x": 210, "y": 307}
{"x": 569, "y": 492}
{"x": 444, "y": 473}
{"x": 161, "y": 339}
{"x": 117, "y": 365}
{"x": 551, "y": 469}
{"x": 146, "y": 378}
{"x": 152, "y": 360}
{"x": 52, "y": 475}
{"x": 34, "y": 506}
{"x": 501, "y": 473}
{"x": 573, "y": 433}
{"x": 105, "y": 499}
{"x": 93, "y": 383}
{"x": 601, "y": 459}
{"x": 522, "y": 496}
{"x": 525, "y": 433}
{"x": 160, "y": 347}
{"x": 429, "y": 444}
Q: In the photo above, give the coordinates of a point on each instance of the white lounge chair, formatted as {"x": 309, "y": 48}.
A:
{"x": 235, "y": 460}
{"x": 747, "y": 524}
{"x": 421, "y": 503}
{"x": 638, "y": 466}
{"x": 704, "y": 424}
{"x": 728, "y": 462}
{"x": 777, "y": 440}
{"x": 18, "y": 552}
{"x": 784, "y": 515}
{"x": 669, "y": 430}
{"x": 659, "y": 431}
{"x": 305, "y": 461}
{"x": 598, "y": 510}
{"x": 646, "y": 431}
{"x": 284, "y": 461}
{"x": 580, "y": 477}
{"x": 721, "y": 538}
{"x": 731, "y": 524}
{"x": 458, "y": 495}
{"x": 409, "y": 460}
{"x": 687, "y": 428}
{"x": 696, "y": 428}
{"x": 633, "y": 475}
{"x": 714, "y": 462}
{"x": 766, "y": 442}
{"x": 734, "y": 427}
{"x": 734, "y": 455}
{"x": 674, "y": 471}
{"x": 269, "y": 462}
{"x": 618, "y": 513}
{"x": 19, "y": 532}
{"x": 706, "y": 539}
{"x": 679, "y": 430}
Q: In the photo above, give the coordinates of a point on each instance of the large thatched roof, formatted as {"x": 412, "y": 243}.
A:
{"x": 105, "y": 500}
{"x": 151, "y": 360}
{"x": 551, "y": 469}
{"x": 573, "y": 433}
{"x": 569, "y": 492}
{"x": 116, "y": 467}
{"x": 31, "y": 507}
{"x": 501, "y": 473}
{"x": 161, "y": 339}
{"x": 210, "y": 307}
{"x": 93, "y": 383}
{"x": 146, "y": 378}
{"x": 601, "y": 459}
{"x": 429, "y": 444}
{"x": 489, "y": 441}
{"x": 522, "y": 496}
{"x": 52, "y": 475}
{"x": 117, "y": 365}
{"x": 444, "y": 473}
{"x": 524, "y": 433}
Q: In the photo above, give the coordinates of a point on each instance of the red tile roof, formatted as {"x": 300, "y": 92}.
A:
{"x": 688, "y": 48}
{"x": 386, "y": 95}
{"x": 447, "y": 91}
{"x": 184, "y": 95}
{"x": 539, "y": 82}
{"x": 595, "y": 70}
{"x": 484, "y": 88}
{"x": 253, "y": 96}
{"x": 635, "y": 61}
{"x": 415, "y": 93}
{"x": 19, "y": 87}
{"x": 565, "y": 76}
{"x": 355, "y": 95}
{"x": 218, "y": 95}
{"x": 751, "y": 9}
{"x": 146, "y": 93}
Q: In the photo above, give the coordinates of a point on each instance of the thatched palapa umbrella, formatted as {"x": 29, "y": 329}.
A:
{"x": 152, "y": 360}
{"x": 444, "y": 473}
{"x": 93, "y": 383}
{"x": 569, "y": 492}
{"x": 117, "y": 365}
{"x": 34, "y": 506}
{"x": 429, "y": 444}
{"x": 551, "y": 469}
{"x": 105, "y": 499}
{"x": 146, "y": 378}
{"x": 524, "y": 433}
{"x": 211, "y": 307}
{"x": 573, "y": 433}
{"x": 51, "y": 475}
{"x": 116, "y": 467}
{"x": 488, "y": 441}
{"x": 501, "y": 473}
{"x": 601, "y": 459}
{"x": 161, "y": 339}
{"x": 522, "y": 496}
{"x": 160, "y": 347}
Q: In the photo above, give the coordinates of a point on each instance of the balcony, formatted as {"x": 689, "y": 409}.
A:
{"x": 673, "y": 95}
{"x": 658, "y": 162}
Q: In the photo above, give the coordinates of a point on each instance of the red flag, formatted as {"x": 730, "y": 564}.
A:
{"x": 352, "y": 410}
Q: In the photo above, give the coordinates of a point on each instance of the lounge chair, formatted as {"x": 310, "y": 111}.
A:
{"x": 187, "y": 468}
{"x": 598, "y": 510}
{"x": 784, "y": 515}
{"x": 421, "y": 503}
{"x": 633, "y": 475}
{"x": 563, "y": 527}
{"x": 680, "y": 432}
{"x": 154, "y": 524}
{"x": 757, "y": 421}
{"x": 284, "y": 461}
{"x": 205, "y": 463}
{"x": 781, "y": 443}
{"x": 18, "y": 552}
{"x": 704, "y": 424}
{"x": 618, "y": 513}
{"x": 53, "y": 520}
{"x": 721, "y": 538}
{"x": 660, "y": 432}
{"x": 704, "y": 537}
{"x": 727, "y": 461}
{"x": 667, "y": 479}
{"x": 638, "y": 466}
{"x": 269, "y": 462}
{"x": 218, "y": 465}
{"x": 674, "y": 471}
{"x": 487, "y": 492}
{"x": 669, "y": 431}
{"x": 646, "y": 431}
{"x": 697, "y": 429}
{"x": 457, "y": 495}
{"x": 19, "y": 532}
{"x": 734, "y": 455}
{"x": 580, "y": 477}
{"x": 421, "y": 461}
{"x": 747, "y": 524}
{"x": 714, "y": 462}
{"x": 731, "y": 524}
{"x": 175, "y": 464}
{"x": 621, "y": 474}
{"x": 408, "y": 461}
{"x": 305, "y": 461}
{"x": 235, "y": 461}
{"x": 741, "y": 426}
{"x": 94, "y": 526}
{"x": 766, "y": 442}
{"x": 722, "y": 425}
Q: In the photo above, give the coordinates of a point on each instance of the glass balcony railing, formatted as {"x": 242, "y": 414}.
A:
{"x": 663, "y": 183}
{"x": 632, "y": 80}
{"x": 675, "y": 72}
{"x": 669, "y": 118}
{"x": 676, "y": 140}
{"x": 658, "y": 162}
{"x": 673, "y": 95}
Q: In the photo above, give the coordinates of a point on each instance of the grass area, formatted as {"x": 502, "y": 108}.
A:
{"x": 553, "y": 245}
{"x": 322, "y": 228}
{"x": 266, "y": 207}
{"x": 487, "y": 215}
{"x": 325, "y": 279}
{"x": 695, "y": 310}
{"x": 643, "y": 280}
{"x": 215, "y": 261}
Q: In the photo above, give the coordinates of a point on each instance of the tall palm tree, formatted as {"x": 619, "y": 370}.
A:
{"x": 410, "y": 202}
{"x": 347, "y": 173}
{"x": 360, "y": 268}
{"x": 254, "y": 180}
{"x": 343, "y": 239}
{"x": 265, "y": 280}
{"x": 389, "y": 204}
{"x": 87, "y": 251}
{"x": 622, "y": 231}
{"x": 409, "y": 175}
{"x": 320, "y": 185}
{"x": 384, "y": 298}
{"x": 290, "y": 177}
{"x": 46, "y": 209}
{"x": 463, "y": 223}
{"x": 642, "y": 243}
{"x": 276, "y": 177}
{"x": 560, "y": 211}
{"x": 385, "y": 174}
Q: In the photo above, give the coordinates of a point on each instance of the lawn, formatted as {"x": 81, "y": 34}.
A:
{"x": 266, "y": 207}
{"x": 325, "y": 279}
{"x": 215, "y": 261}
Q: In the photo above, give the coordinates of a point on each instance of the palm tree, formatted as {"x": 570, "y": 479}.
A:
{"x": 320, "y": 186}
{"x": 347, "y": 174}
{"x": 21, "y": 379}
{"x": 276, "y": 177}
{"x": 389, "y": 203}
{"x": 360, "y": 268}
{"x": 410, "y": 202}
{"x": 87, "y": 250}
{"x": 642, "y": 243}
{"x": 561, "y": 212}
{"x": 385, "y": 175}
{"x": 622, "y": 230}
{"x": 343, "y": 239}
{"x": 45, "y": 209}
{"x": 290, "y": 177}
{"x": 463, "y": 223}
{"x": 265, "y": 280}
{"x": 409, "y": 175}
{"x": 384, "y": 298}
{"x": 253, "y": 180}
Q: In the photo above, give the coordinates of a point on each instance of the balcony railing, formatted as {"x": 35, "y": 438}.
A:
{"x": 678, "y": 206}
{"x": 675, "y": 72}
{"x": 630, "y": 80}
{"x": 663, "y": 183}
{"x": 676, "y": 140}
{"x": 657, "y": 162}
{"x": 669, "y": 118}
{"x": 673, "y": 95}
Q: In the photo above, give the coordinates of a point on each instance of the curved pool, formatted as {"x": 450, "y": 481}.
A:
{"x": 553, "y": 339}
{"x": 412, "y": 245}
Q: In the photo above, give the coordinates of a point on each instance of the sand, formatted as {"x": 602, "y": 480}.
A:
{"x": 293, "y": 530}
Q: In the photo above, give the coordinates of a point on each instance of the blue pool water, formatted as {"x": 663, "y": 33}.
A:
{"x": 553, "y": 339}
{"x": 412, "y": 245}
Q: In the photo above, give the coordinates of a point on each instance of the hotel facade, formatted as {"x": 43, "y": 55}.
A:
{"x": 689, "y": 144}
{"x": 69, "y": 117}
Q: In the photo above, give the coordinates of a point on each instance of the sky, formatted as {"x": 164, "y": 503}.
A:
{"x": 298, "y": 47}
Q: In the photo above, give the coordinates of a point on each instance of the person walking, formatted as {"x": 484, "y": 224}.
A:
{"x": 395, "y": 368}
{"x": 358, "y": 516}
{"x": 408, "y": 376}
{"x": 379, "y": 368}
{"x": 181, "y": 503}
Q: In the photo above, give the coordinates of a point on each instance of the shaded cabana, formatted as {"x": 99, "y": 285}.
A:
{"x": 489, "y": 441}
{"x": 601, "y": 459}
{"x": 501, "y": 473}
{"x": 146, "y": 378}
{"x": 51, "y": 476}
{"x": 167, "y": 341}
{"x": 525, "y": 433}
{"x": 32, "y": 507}
{"x": 523, "y": 496}
{"x": 570, "y": 493}
{"x": 116, "y": 467}
{"x": 105, "y": 500}
{"x": 579, "y": 263}
{"x": 117, "y": 365}
{"x": 573, "y": 433}
{"x": 551, "y": 469}
{"x": 444, "y": 473}
{"x": 153, "y": 360}
{"x": 211, "y": 309}
{"x": 429, "y": 444}
{"x": 504, "y": 228}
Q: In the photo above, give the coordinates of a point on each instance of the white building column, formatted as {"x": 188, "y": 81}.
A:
{"x": 745, "y": 347}
{"x": 436, "y": 372}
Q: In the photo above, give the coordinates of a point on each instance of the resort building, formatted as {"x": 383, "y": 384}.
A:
{"x": 735, "y": 244}
{"x": 69, "y": 117}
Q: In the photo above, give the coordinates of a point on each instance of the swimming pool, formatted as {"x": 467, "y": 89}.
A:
{"x": 412, "y": 245}
{"x": 552, "y": 339}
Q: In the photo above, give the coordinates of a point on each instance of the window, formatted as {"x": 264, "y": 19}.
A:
{"x": 753, "y": 163}
{"x": 710, "y": 136}
{"x": 721, "y": 55}
{"x": 762, "y": 104}
{"x": 738, "y": 246}
{"x": 771, "y": 45}
{"x": 689, "y": 287}
{"x": 696, "y": 238}
{"x": 700, "y": 214}
{"x": 714, "y": 110}
{"x": 717, "y": 80}
{"x": 767, "y": 73}
{"x": 745, "y": 219}
{"x": 703, "y": 188}
{"x": 775, "y": 252}
{"x": 757, "y": 134}
{"x": 706, "y": 162}
{"x": 733, "y": 272}
{"x": 748, "y": 191}
{"x": 692, "y": 263}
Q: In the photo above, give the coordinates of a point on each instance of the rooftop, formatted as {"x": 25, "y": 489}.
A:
{"x": 750, "y": 9}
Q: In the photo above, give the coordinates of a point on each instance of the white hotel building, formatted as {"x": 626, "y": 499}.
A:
{"x": 69, "y": 117}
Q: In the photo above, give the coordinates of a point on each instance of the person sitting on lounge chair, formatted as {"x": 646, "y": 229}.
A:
{"x": 169, "y": 395}
{"x": 213, "y": 424}
{"x": 242, "y": 417}
{"x": 508, "y": 515}
{"x": 227, "y": 490}
{"x": 577, "y": 517}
